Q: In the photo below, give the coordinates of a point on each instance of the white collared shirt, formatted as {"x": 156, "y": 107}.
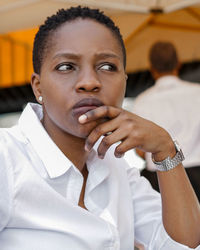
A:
{"x": 40, "y": 190}
{"x": 174, "y": 105}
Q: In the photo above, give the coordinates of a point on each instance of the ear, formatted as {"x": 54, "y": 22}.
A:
{"x": 126, "y": 77}
{"x": 36, "y": 87}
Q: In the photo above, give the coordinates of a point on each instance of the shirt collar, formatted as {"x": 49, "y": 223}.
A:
{"x": 55, "y": 162}
{"x": 167, "y": 81}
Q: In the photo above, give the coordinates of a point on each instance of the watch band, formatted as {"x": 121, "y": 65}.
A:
{"x": 170, "y": 163}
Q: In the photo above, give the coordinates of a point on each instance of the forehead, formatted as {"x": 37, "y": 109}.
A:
{"x": 84, "y": 36}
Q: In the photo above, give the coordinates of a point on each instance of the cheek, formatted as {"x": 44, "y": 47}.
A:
{"x": 83, "y": 131}
{"x": 117, "y": 93}
{"x": 121, "y": 96}
{"x": 56, "y": 93}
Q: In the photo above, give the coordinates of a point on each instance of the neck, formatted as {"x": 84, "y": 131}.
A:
{"x": 156, "y": 75}
{"x": 71, "y": 146}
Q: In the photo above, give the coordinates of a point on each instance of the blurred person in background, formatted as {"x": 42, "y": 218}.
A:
{"x": 173, "y": 104}
{"x": 63, "y": 181}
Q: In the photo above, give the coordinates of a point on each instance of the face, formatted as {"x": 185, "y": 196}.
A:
{"x": 82, "y": 69}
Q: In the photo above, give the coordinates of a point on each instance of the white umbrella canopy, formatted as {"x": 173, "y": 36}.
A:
{"x": 140, "y": 31}
{"x": 142, "y": 22}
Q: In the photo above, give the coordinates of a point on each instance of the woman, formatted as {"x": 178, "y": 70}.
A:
{"x": 64, "y": 183}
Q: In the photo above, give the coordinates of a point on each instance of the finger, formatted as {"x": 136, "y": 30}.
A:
{"x": 124, "y": 146}
{"x": 100, "y": 112}
{"x": 117, "y": 136}
{"x": 102, "y": 129}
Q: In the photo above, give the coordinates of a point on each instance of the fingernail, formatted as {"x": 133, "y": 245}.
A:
{"x": 82, "y": 118}
{"x": 119, "y": 155}
{"x": 101, "y": 156}
{"x": 87, "y": 148}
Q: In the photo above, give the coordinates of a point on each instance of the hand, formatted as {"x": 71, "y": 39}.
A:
{"x": 130, "y": 130}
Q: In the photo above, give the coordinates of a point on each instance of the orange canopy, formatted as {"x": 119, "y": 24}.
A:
{"x": 141, "y": 24}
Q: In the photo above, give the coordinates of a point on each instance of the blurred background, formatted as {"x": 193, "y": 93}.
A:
{"x": 142, "y": 22}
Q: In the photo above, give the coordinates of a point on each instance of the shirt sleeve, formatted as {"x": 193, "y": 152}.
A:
{"x": 5, "y": 185}
{"x": 149, "y": 229}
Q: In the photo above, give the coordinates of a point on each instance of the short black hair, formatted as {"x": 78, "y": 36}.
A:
{"x": 53, "y": 22}
{"x": 163, "y": 56}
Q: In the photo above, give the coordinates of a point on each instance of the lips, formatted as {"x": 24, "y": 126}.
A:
{"x": 86, "y": 105}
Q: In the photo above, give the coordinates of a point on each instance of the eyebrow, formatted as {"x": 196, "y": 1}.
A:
{"x": 78, "y": 56}
{"x": 67, "y": 55}
{"x": 107, "y": 55}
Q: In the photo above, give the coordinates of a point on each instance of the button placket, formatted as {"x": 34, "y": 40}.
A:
{"x": 74, "y": 186}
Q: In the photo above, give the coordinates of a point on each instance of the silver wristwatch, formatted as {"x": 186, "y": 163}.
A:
{"x": 170, "y": 163}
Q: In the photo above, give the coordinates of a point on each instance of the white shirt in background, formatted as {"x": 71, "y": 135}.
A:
{"x": 40, "y": 190}
{"x": 174, "y": 105}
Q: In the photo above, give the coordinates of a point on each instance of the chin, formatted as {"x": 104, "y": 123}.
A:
{"x": 84, "y": 130}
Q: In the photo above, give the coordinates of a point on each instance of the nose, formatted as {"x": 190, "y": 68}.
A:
{"x": 88, "y": 81}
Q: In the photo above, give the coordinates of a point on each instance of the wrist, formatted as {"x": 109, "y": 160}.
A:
{"x": 169, "y": 162}
{"x": 168, "y": 150}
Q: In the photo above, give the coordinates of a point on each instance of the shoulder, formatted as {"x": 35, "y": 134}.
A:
{"x": 12, "y": 142}
{"x": 7, "y": 147}
{"x": 6, "y": 179}
{"x": 145, "y": 94}
{"x": 191, "y": 91}
{"x": 9, "y": 137}
{"x": 4, "y": 139}
{"x": 190, "y": 85}
{"x": 142, "y": 100}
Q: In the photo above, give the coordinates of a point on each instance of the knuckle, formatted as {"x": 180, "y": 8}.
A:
{"x": 91, "y": 113}
{"x": 106, "y": 110}
{"x": 129, "y": 125}
{"x": 89, "y": 143}
{"x": 123, "y": 112}
{"x": 106, "y": 142}
{"x": 136, "y": 136}
{"x": 98, "y": 130}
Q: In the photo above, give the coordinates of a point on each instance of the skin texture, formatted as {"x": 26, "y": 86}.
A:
{"x": 85, "y": 65}
{"x": 88, "y": 74}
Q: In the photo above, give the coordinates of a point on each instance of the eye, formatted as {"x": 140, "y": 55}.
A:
{"x": 65, "y": 67}
{"x": 108, "y": 67}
